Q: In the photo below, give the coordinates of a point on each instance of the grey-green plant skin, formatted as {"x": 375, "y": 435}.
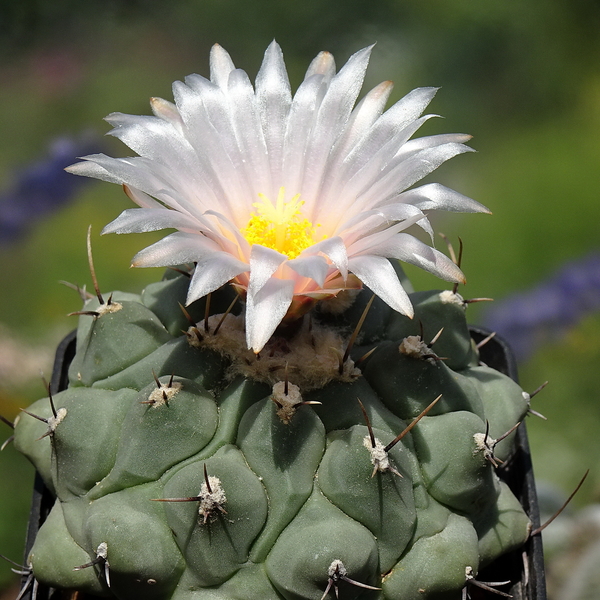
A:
{"x": 299, "y": 492}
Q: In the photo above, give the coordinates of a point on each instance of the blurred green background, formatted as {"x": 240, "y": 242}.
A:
{"x": 521, "y": 76}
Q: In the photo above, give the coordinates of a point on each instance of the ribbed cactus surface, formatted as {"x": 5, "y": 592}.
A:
{"x": 185, "y": 467}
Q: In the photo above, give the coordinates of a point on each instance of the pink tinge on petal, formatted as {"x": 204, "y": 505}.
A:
{"x": 312, "y": 267}
{"x": 335, "y": 249}
{"x": 263, "y": 263}
{"x": 140, "y": 198}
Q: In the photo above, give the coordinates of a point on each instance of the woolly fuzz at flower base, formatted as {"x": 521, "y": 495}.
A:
{"x": 291, "y": 198}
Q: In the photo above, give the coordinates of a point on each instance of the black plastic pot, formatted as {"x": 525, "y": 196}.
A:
{"x": 523, "y": 568}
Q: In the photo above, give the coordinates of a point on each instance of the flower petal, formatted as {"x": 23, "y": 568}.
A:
{"x": 140, "y": 198}
{"x": 335, "y": 249}
{"x": 313, "y": 267}
{"x": 265, "y": 311}
{"x": 167, "y": 111}
{"x": 434, "y": 196}
{"x": 301, "y": 120}
{"x": 263, "y": 263}
{"x": 213, "y": 272}
{"x": 409, "y": 249}
{"x": 323, "y": 64}
{"x": 221, "y": 66}
{"x": 332, "y": 117}
{"x": 153, "y": 138}
{"x": 139, "y": 220}
{"x": 408, "y": 172}
{"x": 379, "y": 276}
{"x": 175, "y": 249}
{"x": 273, "y": 98}
{"x": 249, "y": 133}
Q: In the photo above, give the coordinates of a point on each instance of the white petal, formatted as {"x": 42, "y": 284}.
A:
{"x": 249, "y": 133}
{"x": 379, "y": 276}
{"x": 389, "y": 214}
{"x": 263, "y": 263}
{"x": 209, "y": 130}
{"x": 367, "y": 222}
{"x": 411, "y": 250}
{"x": 139, "y": 220}
{"x": 301, "y": 120}
{"x": 431, "y": 141}
{"x": 265, "y": 311}
{"x": 167, "y": 111}
{"x": 242, "y": 243}
{"x": 221, "y": 66}
{"x": 315, "y": 267}
{"x": 274, "y": 97}
{"x": 213, "y": 272}
{"x": 204, "y": 160}
{"x": 394, "y": 212}
{"x": 92, "y": 169}
{"x": 353, "y": 180}
{"x": 398, "y": 117}
{"x": 136, "y": 172}
{"x": 362, "y": 117}
{"x": 332, "y": 117}
{"x": 140, "y": 198}
{"x": 335, "y": 249}
{"x": 322, "y": 64}
{"x": 153, "y": 138}
{"x": 175, "y": 249}
{"x": 408, "y": 172}
{"x": 434, "y": 196}
{"x": 375, "y": 239}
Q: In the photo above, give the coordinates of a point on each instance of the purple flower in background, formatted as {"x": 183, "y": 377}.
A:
{"x": 43, "y": 186}
{"x": 527, "y": 319}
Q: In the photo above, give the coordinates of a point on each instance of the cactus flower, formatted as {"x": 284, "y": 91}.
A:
{"x": 291, "y": 198}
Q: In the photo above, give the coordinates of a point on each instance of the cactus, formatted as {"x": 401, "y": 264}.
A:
{"x": 257, "y": 426}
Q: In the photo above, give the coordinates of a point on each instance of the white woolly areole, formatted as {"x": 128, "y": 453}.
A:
{"x": 379, "y": 457}
{"x": 54, "y": 421}
{"x": 469, "y": 573}
{"x": 312, "y": 356}
{"x": 482, "y": 442}
{"x": 414, "y": 346}
{"x": 212, "y": 501}
{"x": 163, "y": 394}
{"x": 336, "y": 570}
{"x": 450, "y": 297}
{"x": 102, "y": 550}
{"x": 485, "y": 445}
{"x": 286, "y": 403}
{"x": 293, "y": 395}
{"x": 106, "y": 308}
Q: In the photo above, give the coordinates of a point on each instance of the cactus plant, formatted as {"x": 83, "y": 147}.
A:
{"x": 258, "y": 425}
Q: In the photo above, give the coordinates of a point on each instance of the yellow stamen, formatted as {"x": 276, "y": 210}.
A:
{"x": 281, "y": 226}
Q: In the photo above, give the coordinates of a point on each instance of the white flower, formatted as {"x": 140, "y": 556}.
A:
{"x": 290, "y": 198}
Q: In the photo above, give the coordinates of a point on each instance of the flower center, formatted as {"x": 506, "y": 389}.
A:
{"x": 280, "y": 226}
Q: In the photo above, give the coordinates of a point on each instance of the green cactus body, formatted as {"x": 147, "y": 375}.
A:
{"x": 187, "y": 468}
